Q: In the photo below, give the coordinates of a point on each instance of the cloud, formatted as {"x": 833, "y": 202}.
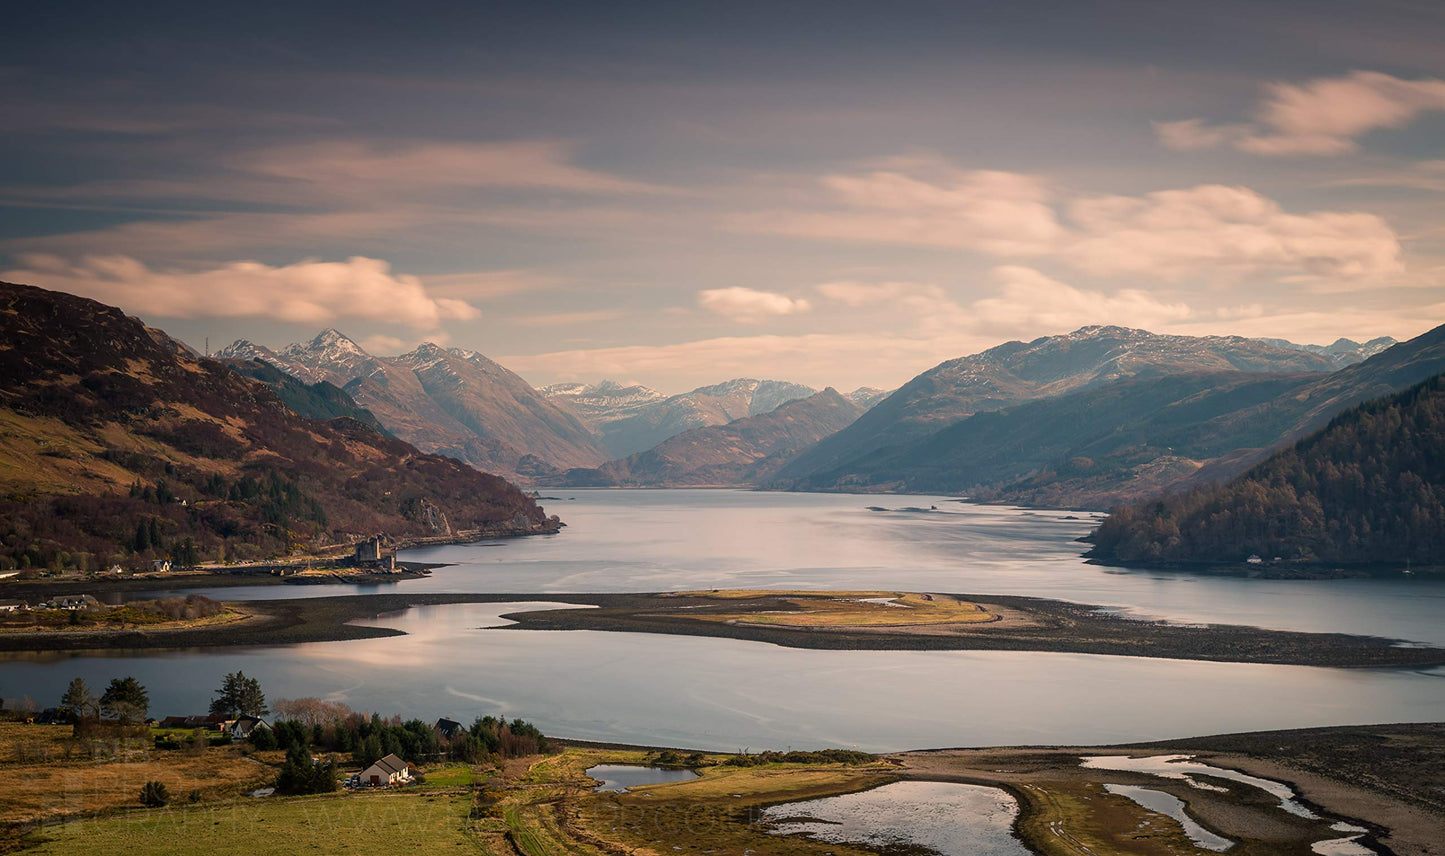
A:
{"x": 1324, "y": 116}
{"x": 748, "y": 304}
{"x": 306, "y": 292}
{"x": 1204, "y": 230}
{"x": 818, "y": 359}
{"x": 1000, "y": 213}
{"x": 358, "y": 168}
{"x": 384, "y": 345}
{"x": 1031, "y": 303}
{"x": 567, "y": 319}
{"x": 1028, "y": 304}
{"x": 930, "y": 309}
{"x": 1175, "y": 233}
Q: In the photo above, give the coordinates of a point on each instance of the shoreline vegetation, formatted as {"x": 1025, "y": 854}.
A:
{"x": 824, "y": 620}
{"x": 1384, "y": 780}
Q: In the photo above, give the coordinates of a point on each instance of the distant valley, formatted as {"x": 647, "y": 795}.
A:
{"x": 1085, "y": 419}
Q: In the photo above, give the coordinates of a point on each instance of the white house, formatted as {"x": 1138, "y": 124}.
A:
{"x": 245, "y": 726}
{"x": 390, "y": 770}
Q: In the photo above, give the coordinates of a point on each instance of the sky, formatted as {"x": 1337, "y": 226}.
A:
{"x": 833, "y": 193}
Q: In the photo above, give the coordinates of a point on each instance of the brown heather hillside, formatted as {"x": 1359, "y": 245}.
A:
{"x": 118, "y": 445}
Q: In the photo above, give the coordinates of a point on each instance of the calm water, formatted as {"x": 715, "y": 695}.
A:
{"x": 945, "y": 818}
{"x": 730, "y": 694}
{"x": 620, "y": 777}
{"x": 1171, "y": 806}
{"x": 663, "y": 540}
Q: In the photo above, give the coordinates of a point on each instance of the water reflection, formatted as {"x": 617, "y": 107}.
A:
{"x": 616, "y": 778}
{"x": 663, "y": 540}
{"x": 726, "y": 694}
{"x": 938, "y": 817}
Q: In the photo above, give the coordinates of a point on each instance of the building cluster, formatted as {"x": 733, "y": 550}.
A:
{"x": 66, "y": 602}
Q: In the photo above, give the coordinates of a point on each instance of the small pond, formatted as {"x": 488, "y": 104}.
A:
{"x": 937, "y": 817}
{"x": 1171, "y": 806}
{"x": 619, "y": 777}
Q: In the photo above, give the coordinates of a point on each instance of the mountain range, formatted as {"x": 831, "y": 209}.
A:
{"x": 449, "y": 401}
{"x": 1015, "y": 372}
{"x": 1123, "y": 438}
{"x": 118, "y": 445}
{"x": 633, "y": 418}
{"x": 745, "y": 451}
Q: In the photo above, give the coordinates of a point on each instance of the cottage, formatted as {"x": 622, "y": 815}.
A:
{"x": 390, "y": 770}
{"x": 246, "y": 725}
{"x": 161, "y": 566}
{"x": 74, "y": 603}
{"x": 13, "y": 606}
{"x": 449, "y": 728}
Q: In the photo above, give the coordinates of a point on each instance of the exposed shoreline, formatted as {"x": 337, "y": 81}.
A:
{"x": 1385, "y": 778}
{"x": 1030, "y": 624}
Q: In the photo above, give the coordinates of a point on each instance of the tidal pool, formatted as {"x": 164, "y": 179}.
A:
{"x": 939, "y": 817}
{"x": 619, "y": 777}
{"x": 1183, "y": 768}
{"x": 1171, "y": 806}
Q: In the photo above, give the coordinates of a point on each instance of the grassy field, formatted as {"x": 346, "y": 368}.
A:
{"x": 853, "y": 609}
{"x": 46, "y": 776}
{"x": 387, "y": 822}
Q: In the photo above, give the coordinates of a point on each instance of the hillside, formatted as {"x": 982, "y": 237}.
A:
{"x": 449, "y": 401}
{"x": 1016, "y": 372}
{"x": 745, "y": 451}
{"x": 1367, "y": 489}
{"x": 1090, "y": 449}
{"x": 631, "y": 419}
{"x": 321, "y": 400}
{"x": 117, "y": 446}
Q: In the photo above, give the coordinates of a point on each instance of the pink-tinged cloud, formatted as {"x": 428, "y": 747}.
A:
{"x": 1000, "y": 213}
{"x": 748, "y": 304}
{"x": 1176, "y": 233}
{"x": 310, "y": 292}
{"x": 1324, "y": 116}
{"x": 1030, "y": 301}
{"x": 1028, "y": 304}
{"x": 1206, "y": 230}
{"x": 357, "y": 168}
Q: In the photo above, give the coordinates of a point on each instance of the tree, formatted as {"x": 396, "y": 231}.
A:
{"x": 125, "y": 699}
{"x": 301, "y": 775}
{"x": 154, "y": 794}
{"x": 78, "y": 701}
{"x": 239, "y": 695}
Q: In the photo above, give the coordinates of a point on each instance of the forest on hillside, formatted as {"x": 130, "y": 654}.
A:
{"x": 1367, "y": 489}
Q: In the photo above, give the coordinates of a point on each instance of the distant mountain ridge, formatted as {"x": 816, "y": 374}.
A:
{"x": 1131, "y": 437}
{"x": 1343, "y": 352}
{"x": 1016, "y": 372}
{"x": 631, "y": 419}
{"x": 742, "y": 452}
{"x": 450, "y": 401}
{"x": 120, "y": 446}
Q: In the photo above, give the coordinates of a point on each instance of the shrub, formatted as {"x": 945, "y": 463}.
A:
{"x": 154, "y": 794}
